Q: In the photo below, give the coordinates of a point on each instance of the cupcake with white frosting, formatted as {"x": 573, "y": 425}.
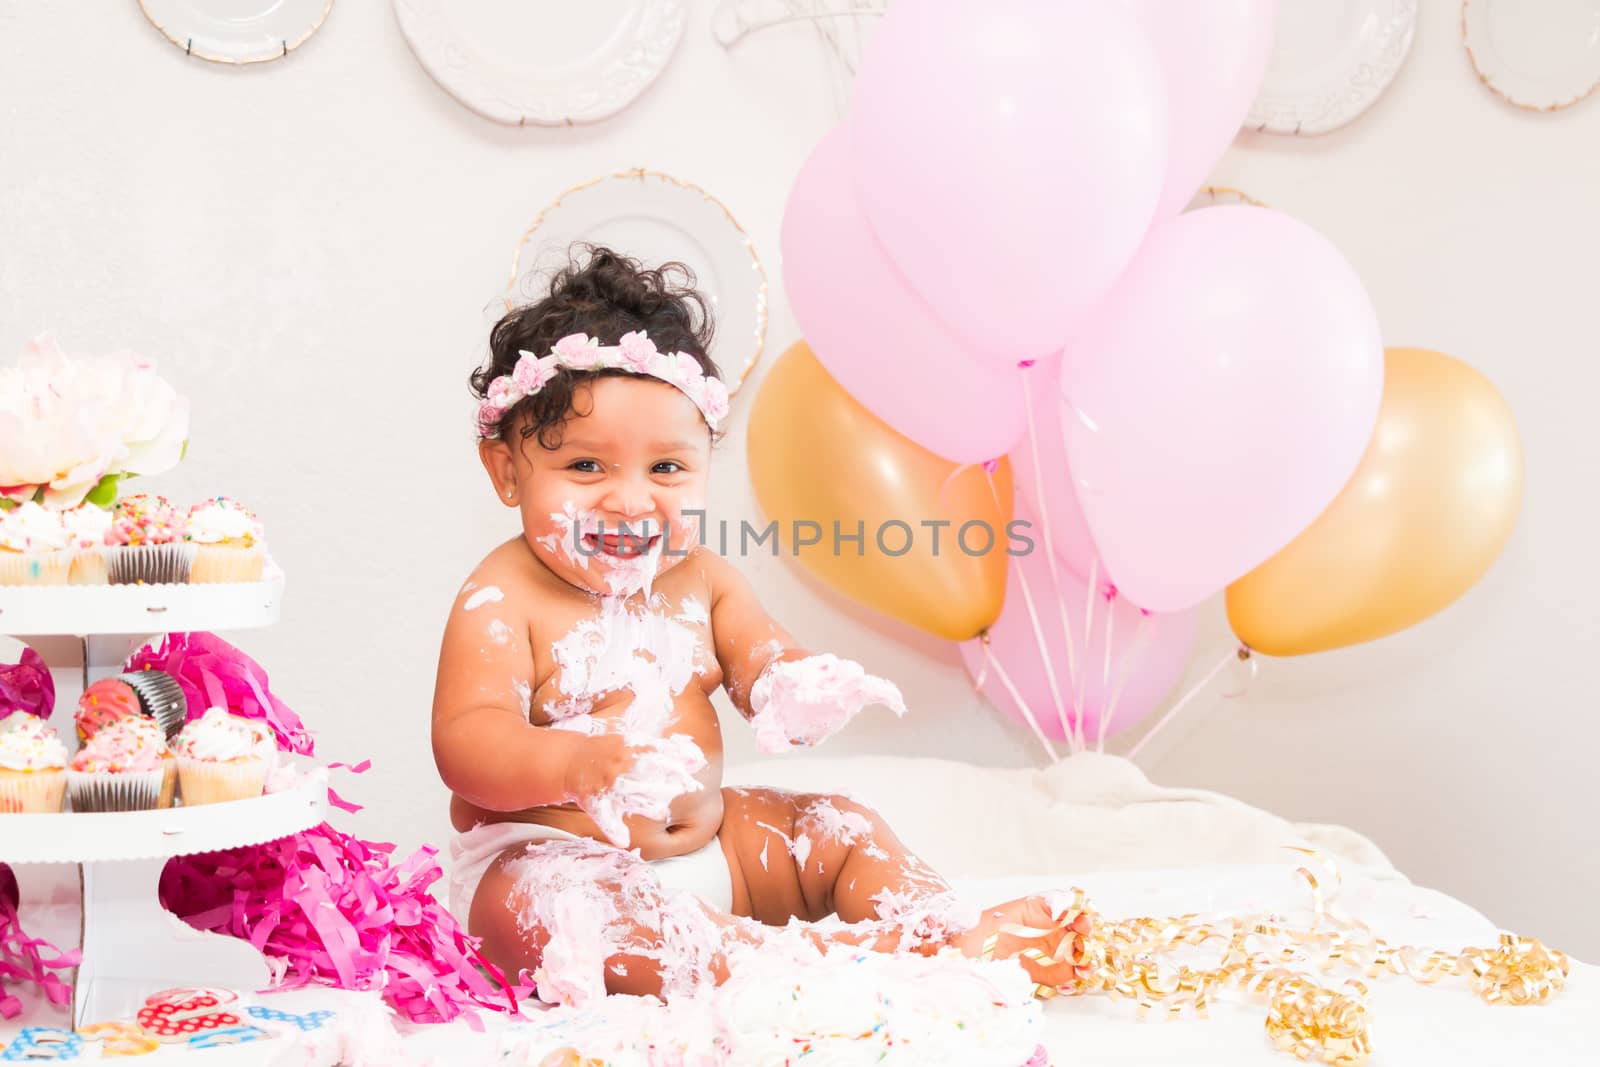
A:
{"x": 228, "y": 542}
{"x": 220, "y": 758}
{"x": 33, "y": 546}
{"x": 87, "y": 526}
{"x": 33, "y": 765}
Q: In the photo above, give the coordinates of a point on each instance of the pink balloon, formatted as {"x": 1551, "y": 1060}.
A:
{"x": 873, "y": 334}
{"x": 1213, "y": 55}
{"x": 1219, "y": 400}
{"x": 1148, "y": 654}
{"x": 1047, "y": 484}
{"x": 1009, "y": 156}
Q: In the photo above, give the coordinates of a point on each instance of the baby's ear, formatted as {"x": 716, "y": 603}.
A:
{"x": 497, "y": 460}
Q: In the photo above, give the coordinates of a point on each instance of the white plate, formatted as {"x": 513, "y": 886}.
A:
{"x": 1331, "y": 60}
{"x": 237, "y": 31}
{"x": 539, "y": 61}
{"x": 1542, "y": 55}
{"x": 655, "y": 218}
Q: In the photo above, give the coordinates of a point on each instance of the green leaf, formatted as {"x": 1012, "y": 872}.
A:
{"x": 104, "y": 493}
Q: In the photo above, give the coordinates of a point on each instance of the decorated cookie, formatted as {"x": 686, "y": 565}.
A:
{"x": 119, "y": 1039}
{"x": 233, "y": 1035}
{"x": 311, "y": 1020}
{"x": 174, "y": 1015}
{"x": 37, "y": 1044}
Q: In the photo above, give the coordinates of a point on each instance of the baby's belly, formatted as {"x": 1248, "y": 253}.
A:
{"x": 695, "y": 816}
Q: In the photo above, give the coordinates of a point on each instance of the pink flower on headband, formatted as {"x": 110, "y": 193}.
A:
{"x": 716, "y": 405}
{"x": 489, "y": 418}
{"x": 685, "y": 368}
{"x": 500, "y": 392}
{"x": 532, "y": 372}
{"x": 577, "y": 351}
{"x": 637, "y": 351}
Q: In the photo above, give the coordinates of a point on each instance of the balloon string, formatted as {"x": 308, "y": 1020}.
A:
{"x": 989, "y": 659}
{"x": 1088, "y": 628}
{"x": 945, "y": 487}
{"x": 1050, "y": 543}
{"x": 1038, "y": 635}
{"x": 1236, "y": 653}
{"x": 1124, "y": 672}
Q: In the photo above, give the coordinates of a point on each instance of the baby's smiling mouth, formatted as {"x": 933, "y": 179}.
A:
{"x": 622, "y": 546}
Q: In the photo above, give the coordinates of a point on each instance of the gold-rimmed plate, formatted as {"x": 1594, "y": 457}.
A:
{"x": 1539, "y": 56}
{"x": 1331, "y": 60}
{"x": 1218, "y": 195}
{"x": 657, "y": 218}
{"x": 237, "y": 31}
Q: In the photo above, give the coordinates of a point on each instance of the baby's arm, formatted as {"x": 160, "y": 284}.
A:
{"x": 790, "y": 696}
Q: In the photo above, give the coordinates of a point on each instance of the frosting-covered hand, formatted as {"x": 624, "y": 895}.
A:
{"x": 803, "y": 701}
{"x": 625, "y": 779}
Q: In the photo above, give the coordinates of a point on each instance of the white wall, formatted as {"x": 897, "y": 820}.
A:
{"x": 309, "y": 249}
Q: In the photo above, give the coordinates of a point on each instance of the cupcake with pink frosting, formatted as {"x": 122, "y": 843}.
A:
{"x": 228, "y": 542}
{"x": 87, "y": 527}
{"x": 33, "y": 546}
{"x": 145, "y": 544}
{"x": 220, "y": 758}
{"x": 33, "y": 765}
{"x": 122, "y": 768}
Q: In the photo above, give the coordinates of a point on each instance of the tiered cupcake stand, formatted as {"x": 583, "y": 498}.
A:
{"x": 131, "y": 946}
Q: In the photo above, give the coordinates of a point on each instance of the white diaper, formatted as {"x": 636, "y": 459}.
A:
{"x": 703, "y": 873}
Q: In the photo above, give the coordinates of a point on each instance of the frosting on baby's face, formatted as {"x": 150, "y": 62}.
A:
{"x": 605, "y": 510}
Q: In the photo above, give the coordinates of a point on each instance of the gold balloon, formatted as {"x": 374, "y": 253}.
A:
{"x": 816, "y": 454}
{"x": 1428, "y": 510}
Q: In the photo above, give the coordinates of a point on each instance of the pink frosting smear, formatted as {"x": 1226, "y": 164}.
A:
{"x": 659, "y": 775}
{"x": 805, "y": 701}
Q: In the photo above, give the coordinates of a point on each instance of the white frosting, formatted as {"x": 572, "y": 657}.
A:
{"x": 215, "y": 521}
{"x": 808, "y": 700}
{"x": 28, "y": 743}
{"x": 218, "y": 736}
{"x": 32, "y": 527}
{"x": 86, "y": 525}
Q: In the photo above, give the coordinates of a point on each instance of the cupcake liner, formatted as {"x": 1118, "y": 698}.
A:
{"x": 88, "y": 567}
{"x": 161, "y": 697}
{"x": 115, "y": 790}
{"x": 32, "y": 791}
{"x": 227, "y": 563}
{"x": 148, "y": 564}
{"x": 35, "y": 568}
{"x": 169, "y": 781}
{"x": 214, "y": 782}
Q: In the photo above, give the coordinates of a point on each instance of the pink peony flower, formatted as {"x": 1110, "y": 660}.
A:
{"x": 638, "y": 351}
{"x": 685, "y": 368}
{"x": 716, "y": 406}
{"x": 503, "y": 392}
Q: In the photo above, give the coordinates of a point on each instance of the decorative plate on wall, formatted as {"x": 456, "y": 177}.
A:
{"x": 237, "y": 31}
{"x": 655, "y": 218}
{"x": 1539, "y": 56}
{"x": 1217, "y": 195}
{"x": 543, "y": 63}
{"x": 1330, "y": 62}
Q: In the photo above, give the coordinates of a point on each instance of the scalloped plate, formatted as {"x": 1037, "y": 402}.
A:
{"x": 237, "y": 31}
{"x": 543, "y": 63}
{"x": 655, "y": 217}
{"x": 1330, "y": 62}
{"x": 1538, "y": 56}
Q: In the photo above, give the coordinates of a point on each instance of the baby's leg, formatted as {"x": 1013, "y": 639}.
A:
{"x": 811, "y": 855}
{"x": 586, "y": 919}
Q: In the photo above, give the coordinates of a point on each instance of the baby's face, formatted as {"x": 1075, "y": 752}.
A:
{"x": 634, "y": 452}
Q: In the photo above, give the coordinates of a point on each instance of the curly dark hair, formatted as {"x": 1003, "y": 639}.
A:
{"x": 604, "y": 294}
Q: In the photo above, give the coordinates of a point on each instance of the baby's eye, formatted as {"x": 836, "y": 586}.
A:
{"x": 585, "y": 466}
{"x": 667, "y": 466}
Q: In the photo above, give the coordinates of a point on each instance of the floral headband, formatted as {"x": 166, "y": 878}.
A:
{"x": 634, "y": 352}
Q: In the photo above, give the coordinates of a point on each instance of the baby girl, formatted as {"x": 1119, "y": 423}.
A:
{"x": 572, "y": 717}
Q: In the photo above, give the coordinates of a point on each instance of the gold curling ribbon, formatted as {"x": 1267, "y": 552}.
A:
{"x": 1270, "y": 959}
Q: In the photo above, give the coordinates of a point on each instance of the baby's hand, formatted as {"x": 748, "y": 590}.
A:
{"x": 803, "y": 701}
{"x": 617, "y": 779}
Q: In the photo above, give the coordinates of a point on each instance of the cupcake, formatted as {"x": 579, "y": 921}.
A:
{"x": 146, "y": 543}
{"x": 219, "y": 759}
{"x": 227, "y": 540}
{"x": 87, "y": 526}
{"x": 33, "y": 546}
{"x": 136, "y": 694}
{"x": 122, "y": 768}
{"x": 33, "y": 765}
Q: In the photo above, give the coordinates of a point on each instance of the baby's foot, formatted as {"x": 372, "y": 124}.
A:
{"x": 1027, "y": 929}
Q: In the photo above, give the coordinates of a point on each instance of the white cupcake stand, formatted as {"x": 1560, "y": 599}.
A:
{"x": 132, "y": 947}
